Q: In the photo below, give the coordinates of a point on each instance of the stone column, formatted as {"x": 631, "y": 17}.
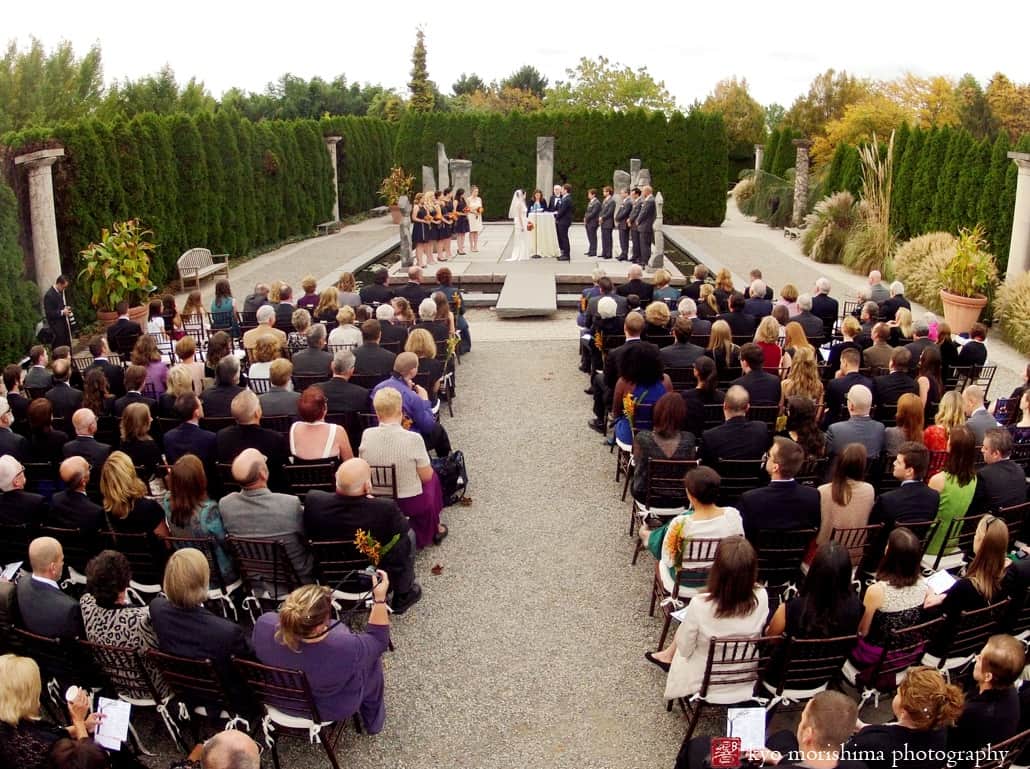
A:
{"x": 428, "y": 180}
{"x": 800, "y": 181}
{"x": 621, "y": 180}
{"x": 545, "y": 164}
{"x": 1019, "y": 245}
{"x": 461, "y": 174}
{"x": 634, "y": 172}
{"x": 658, "y": 251}
{"x": 45, "y": 251}
{"x": 330, "y": 145}
{"x": 441, "y": 165}
{"x": 759, "y": 157}
{"x": 405, "y": 231}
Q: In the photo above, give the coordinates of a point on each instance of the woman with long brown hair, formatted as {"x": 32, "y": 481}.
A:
{"x": 928, "y": 378}
{"x": 803, "y": 377}
{"x": 846, "y": 501}
{"x": 328, "y": 306}
{"x": 96, "y": 395}
{"x": 191, "y": 514}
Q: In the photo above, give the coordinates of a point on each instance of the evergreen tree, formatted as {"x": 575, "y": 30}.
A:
{"x": 901, "y": 196}
{"x": 851, "y": 172}
{"x": 205, "y": 125}
{"x": 250, "y": 222}
{"x": 948, "y": 179}
{"x": 786, "y": 153}
{"x": 233, "y": 220}
{"x": 19, "y": 307}
{"x": 1006, "y": 210}
{"x": 771, "y": 147}
{"x": 901, "y": 136}
{"x": 975, "y": 167}
{"x": 832, "y": 181}
{"x": 420, "y": 86}
{"x": 924, "y": 182}
{"x": 991, "y": 190}
{"x": 191, "y": 164}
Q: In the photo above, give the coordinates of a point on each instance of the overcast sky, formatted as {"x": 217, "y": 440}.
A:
{"x": 689, "y": 45}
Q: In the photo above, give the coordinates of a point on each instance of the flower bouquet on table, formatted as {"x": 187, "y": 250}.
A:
{"x": 370, "y": 547}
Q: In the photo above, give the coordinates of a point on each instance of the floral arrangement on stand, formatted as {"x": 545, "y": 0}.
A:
{"x": 371, "y": 548}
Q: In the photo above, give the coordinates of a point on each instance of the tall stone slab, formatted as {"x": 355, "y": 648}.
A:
{"x": 634, "y": 171}
{"x": 461, "y": 174}
{"x": 43, "y": 217}
{"x": 428, "y": 180}
{"x": 405, "y": 231}
{"x": 1019, "y": 244}
{"x": 442, "y": 166}
{"x": 643, "y": 178}
{"x": 621, "y": 181}
{"x": 800, "y": 181}
{"x": 545, "y": 164}
{"x": 658, "y": 252}
{"x": 330, "y": 145}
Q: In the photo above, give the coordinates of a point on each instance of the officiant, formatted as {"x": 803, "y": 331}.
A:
{"x": 58, "y": 314}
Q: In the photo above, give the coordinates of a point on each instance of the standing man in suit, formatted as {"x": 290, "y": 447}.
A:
{"x": 824, "y": 306}
{"x": 555, "y": 200}
{"x": 737, "y": 437}
{"x": 622, "y": 223}
{"x": 784, "y": 504}
{"x": 645, "y": 220}
{"x": 591, "y": 220}
{"x": 58, "y": 314}
{"x": 977, "y": 418}
{"x": 634, "y": 233}
{"x": 45, "y": 610}
{"x": 562, "y": 221}
{"x": 85, "y": 444}
{"x": 607, "y": 222}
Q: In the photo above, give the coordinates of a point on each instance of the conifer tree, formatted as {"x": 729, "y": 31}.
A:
{"x": 924, "y": 183}
{"x": 993, "y": 184}
{"x": 947, "y": 181}
{"x": 771, "y": 147}
{"x": 975, "y": 167}
{"x": 420, "y": 86}
{"x": 786, "y": 153}
{"x": 901, "y": 196}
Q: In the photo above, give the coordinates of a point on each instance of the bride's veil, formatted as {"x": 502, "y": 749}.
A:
{"x": 516, "y": 200}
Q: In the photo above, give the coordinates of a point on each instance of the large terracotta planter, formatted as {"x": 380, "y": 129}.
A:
{"x": 137, "y": 314}
{"x": 962, "y": 312}
{"x": 395, "y": 213}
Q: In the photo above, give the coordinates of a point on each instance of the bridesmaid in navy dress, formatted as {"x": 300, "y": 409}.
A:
{"x": 419, "y": 234}
{"x": 461, "y": 226}
{"x": 447, "y": 209}
{"x": 429, "y": 203}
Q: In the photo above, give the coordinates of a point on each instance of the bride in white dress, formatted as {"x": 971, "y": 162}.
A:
{"x": 520, "y": 236}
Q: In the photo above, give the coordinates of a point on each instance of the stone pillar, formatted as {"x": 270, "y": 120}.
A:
{"x": 441, "y": 165}
{"x": 1019, "y": 245}
{"x": 428, "y": 180}
{"x": 759, "y": 157}
{"x": 405, "y": 231}
{"x": 658, "y": 251}
{"x": 634, "y": 172}
{"x": 461, "y": 174}
{"x": 45, "y": 251}
{"x": 643, "y": 178}
{"x": 330, "y": 145}
{"x": 621, "y": 180}
{"x": 800, "y": 181}
{"x": 545, "y": 164}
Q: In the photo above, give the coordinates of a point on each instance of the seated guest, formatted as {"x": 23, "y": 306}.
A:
{"x": 928, "y": 380}
{"x": 692, "y": 290}
{"x": 977, "y": 418}
{"x": 338, "y": 515}
{"x": 956, "y": 484}
{"x": 878, "y": 354}
{"x": 416, "y": 404}
{"x": 310, "y": 298}
{"x": 705, "y": 521}
{"x": 737, "y": 437}
{"x": 708, "y": 306}
{"x": 757, "y": 304}
{"x": 733, "y": 604}
{"x": 343, "y": 396}
{"x": 846, "y": 501}
{"x": 345, "y": 669}
{"x": 418, "y": 489}
{"x": 824, "y": 306}
{"x": 45, "y": 444}
{"x": 889, "y": 309}
{"x": 297, "y": 339}
{"x": 949, "y": 416}
{"x": 784, "y": 503}
{"x": 688, "y": 308}
{"x": 219, "y": 345}
{"x": 126, "y": 504}
{"x": 189, "y": 513}
{"x": 99, "y": 350}
{"x": 763, "y": 388}
{"x": 280, "y": 399}
{"x": 665, "y": 440}
{"x": 1000, "y": 482}
{"x": 223, "y": 309}
{"x": 800, "y": 426}
{"x": 656, "y": 323}
{"x": 10, "y": 442}
{"x": 421, "y": 343}
{"x": 71, "y": 508}
{"x": 18, "y": 506}
{"x": 454, "y": 298}
{"x": 255, "y": 300}
{"x": 85, "y": 444}
{"x": 185, "y": 352}
{"x": 859, "y": 428}
{"x": 427, "y": 319}
{"x": 837, "y": 388}
{"x": 605, "y": 324}
{"x": 991, "y": 714}
{"x": 795, "y": 339}
{"x": 370, "y": 358}
{"x": 311, "y": 437}
{"x": 663, "y": 292}
{"x": 346, "y": 333}
{"x": 740, "y": 323}
{"x": 974, "y": 352}
{"x": 266, "y": 322}
{"x": 377, "y": 291}
{"x": 721, "y": 348}
{"x": 948, "y": 348}
{"x": 315, "y": 359}
{"x": 604, "y": 382}
{"x": 327, "y": 307}
{"x": 258, "y": 513}
{"x": 248, "y": 433}
{"x": 704, "y": 393}
{"x": 135, "y": 376}
{"x": 767, "y": 337}
{"x": 921, "y": 332}
{"x": 346, "y": 291}
{"x": 44, "y": 609}
{"x": 390, "y": 333}
{"x": 641, "y": 383}
{"x": 180, "y": 382}
{"x": 146, "y": 354}
{"x": 908, "y": 424}
{"x": 812, "y": 324}
{"x": 284, "y": 309}
{"x": 64, "y": 398}
{"x": 136, "y": 440}
{"x": 850, "y": 330}
{"x": 802, "y": 378}
{"x": 218, "y": 399}
{"x": 38, "y": 377}
{"x": 413, "y": 290}
{"x": 789, "y": 299}
{"x": 635, "y": 284}
{"x": 189, "y": 437}
{"x": 15, "y": 397}
{"x": 912, "y": 502}
{"x": 266, "y": 350}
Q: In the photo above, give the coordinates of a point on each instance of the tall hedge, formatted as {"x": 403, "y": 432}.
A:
{"x": 988, "y": 206}
{"x": 924, "y": 183}
{"x": 959, "y": 143}
{"x": 364, "y": 156}
{"x": 19, "y": 307}
{"x": 771, "y": 147}
{"x": 906, "y": 164}
{"x": 786, "y": 153}
{"x": 687, "y": 155}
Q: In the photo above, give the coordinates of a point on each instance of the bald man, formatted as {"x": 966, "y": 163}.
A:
{"x": 231, "y": 749}
{"x": 415, "y": 403}
{"x": 71, "y": 508}
{"x": 85, "y": 444}
{"x": 859, "y": 428}
{"x": 337, "y": 515}
{"x": 44, "y": 609}
{"x": 256, "y": 512}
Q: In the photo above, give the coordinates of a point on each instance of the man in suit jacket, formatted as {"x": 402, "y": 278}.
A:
{"x": 860, "y": 428}
{"x": 622, "y": 223}
{"x": 762, "y": 387}
{"x": 370, "y": 358}
{"x": 740, "y": 323}
{"x": 767, "y": 293}
{"x": 99, "y": 350}
{"x": 265, "y": 318}
{"x": 607, "y": 222}
{"x": 591, "y": 220}
{"x": 913, "y": 501}
{"x": 837, "y": 388}
{"x": 413, "y": 290}
{"x": 634, "y": 233}
{"x": 315, "y": 359}
{"x": 258, "y": 513}
{"x": 135, "y": 376}
{"x": 16, "y": 399}
{"x": 562, "y": 222}
{"x": 337, "y": 515}
{"x": 284, "y": 309}
{"x": 681, "y": 353}
{"x": 921, "y": 335}
{"x": 377, "y": 292}
{"x": 1000, "y": 482}
{"x": 248, "y": 433}
{"x": 189, "y": 437}
{"x": 824, "y": 306}
{"x": 85, "y": 444}
{"x": 645, "y": 220}
{"x": 877, "y": 292}
{"x": 218, "y": 399}
{"x": 44, "y": 609}
{"x": 756, "y": 305}
{"x": 977, "y": 418}
{"x": 604, "y": 381}
{"x": 878, "y": 354}
{"x": 605, "y": 288}
{"x": 737, "y": 437}
{"x": 554, "y": 201}
{"x": 635, "y": 284}
{"x": 393, "y": 334}
{"x": 57, "y": 313}
{"x": 18, "y": 506}
{"x": 784, "y": 504}
{"x": 343, "y": 396}
{"x": 693, "y": 289}
{"x": 974, "y": 352}
{"x": 890, "y": 387}
{"x": 811, "y": 323}
{"x": 889, "y": 309}
{"x": 10, "y": 442}
{"x": 256, "y": 300}
{"x": 71, "y": 508}
{"x": 64, "y": 398}
{"x": 38, "y": 377}
{"x": 279, "y": 400}
{"x": 123, "y": 333}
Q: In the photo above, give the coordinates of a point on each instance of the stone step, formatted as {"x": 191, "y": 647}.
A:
{"x": 527, "y": 295}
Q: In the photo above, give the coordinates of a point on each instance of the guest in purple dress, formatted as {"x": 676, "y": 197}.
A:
{"x": 344, "y": 669}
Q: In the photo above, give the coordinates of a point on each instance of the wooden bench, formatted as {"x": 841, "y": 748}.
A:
{"x": 792, "y": 233}
{"x": 325, "y": 228}
{"x": 198, "y": 263}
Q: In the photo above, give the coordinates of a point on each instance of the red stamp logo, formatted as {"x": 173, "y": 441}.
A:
{"x": 725, "y": 752}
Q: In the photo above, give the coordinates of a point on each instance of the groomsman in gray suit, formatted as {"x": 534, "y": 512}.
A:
{"x": 607, "y": 223}
{"x": 645, "y": 225}
{"x": 622, "y": 223}
{"x": 590, "y": 220}
{"x": 633, "y": 231}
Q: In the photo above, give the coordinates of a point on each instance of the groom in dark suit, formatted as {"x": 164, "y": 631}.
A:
{"x": 622, "y": 224}
{"x": 562, "y": 221}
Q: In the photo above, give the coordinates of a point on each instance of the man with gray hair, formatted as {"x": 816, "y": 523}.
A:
{"x": 248, "y": 433}
{"x": 10, "y": 442}
{"x": 413, "y": 290}
{"x": 977, "y": 418}
{"x": 439, "y": 329}
{"x": 635, "y": 284}
{"x": 889, "y": 309}
{"x": 415, "y": 403}
{"x": 256, "y": 300}
{"x": 825, "y": 307}
{"x": 218, "y": 398}
{"x": 921, "y": 340}
{"x": 230, "y": 749}
{"x": 392, "y": 335}
{"x": 17, "y": 506}
{"x": 757, "y": 305}
{"x": 256, "y": 512}
{"x": 265, "y": 328}
{"x": 859, "y": 428}
{"x": 812, "y": 324}
{"x": 341, "y": 394}
{"x": 315, "y": 360}
{"x": 688, "y": 308}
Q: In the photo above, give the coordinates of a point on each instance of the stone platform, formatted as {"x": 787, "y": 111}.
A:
{"x": 542, "y": 285}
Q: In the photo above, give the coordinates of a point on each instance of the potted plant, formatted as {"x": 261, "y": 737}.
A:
{"x": 116, "y": 269}
{"x": 967, "y": 280}
{"x": 396, "y": 184}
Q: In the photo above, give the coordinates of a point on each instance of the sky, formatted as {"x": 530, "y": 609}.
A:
{"x": 688, "y": 45}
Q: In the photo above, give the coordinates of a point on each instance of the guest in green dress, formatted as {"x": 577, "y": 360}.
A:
{"x": 956, "y": 484}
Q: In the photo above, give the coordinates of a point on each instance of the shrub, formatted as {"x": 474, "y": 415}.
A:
{"x": 919, "y": 264}
{"x": 864, "y": 248}
{"x": 828, "y": 226}
{"x": 1013, "y": 310}
{"x": 19, "y": 307}
{"x": 972, "y": 271}
{"x": 743, "y": 191}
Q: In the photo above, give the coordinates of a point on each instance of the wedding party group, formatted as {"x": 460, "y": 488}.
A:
{"x": 439, "y": 215}
{"x": 631, "y": 212}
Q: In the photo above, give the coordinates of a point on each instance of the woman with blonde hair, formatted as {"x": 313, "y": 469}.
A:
{"x": 186, "y": 352}
{"x": 344, "y": 668}
{"x": 136, "y": 441}
{"x": 328, "y": 306}
{"x": 850, "y": 328}
{"x": 707, "y": 304}
{"x": 475, "y": 204}
{"x": 767, "y": 336}
{"x": 901, "y": 327}
{"x": 421, "y": 343}
{"x": 345, "y": 333}
{"x": 310, "y": 299}
{"x": 435, "y": 227}
{"x": 347, "y": 290}
{"x": 193, "y": 311}
{"x": 789, "y": 299}
{"x": 146, "y": 354}
{"x": 656, "y": 321}
{"x": 274, "y": 290}
{"x": 803, "y": 377}
{"x": 721, "y": 348}
{"x": 663, "y": 292}
{"x": 266, "y": 350}
{"x": 723, "y": 289}
{"x": 402, "y": 312}
{"x": 191, "y": 514}
{"x": 950, "y": 414}
{"x": 125, "y": 501}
